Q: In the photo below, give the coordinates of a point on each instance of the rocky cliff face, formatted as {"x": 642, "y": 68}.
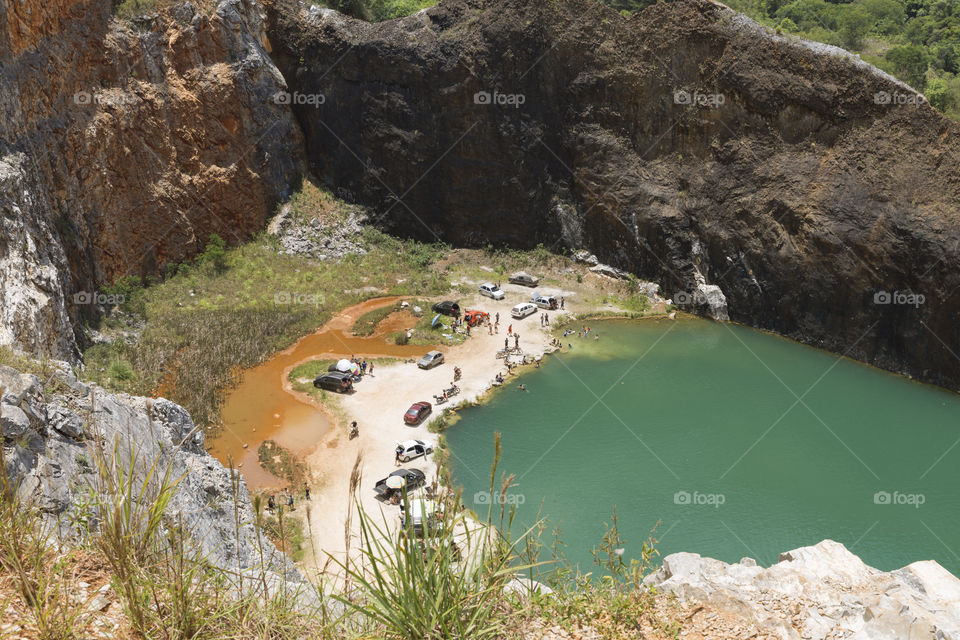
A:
{"x": 123, "y": 147}
{"x": 821, "y": 592}
{"x": 790, "y": 184}
{"x": 52, "y": 436}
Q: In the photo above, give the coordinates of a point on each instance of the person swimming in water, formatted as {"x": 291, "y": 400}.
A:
{"x": 522, "y": 387}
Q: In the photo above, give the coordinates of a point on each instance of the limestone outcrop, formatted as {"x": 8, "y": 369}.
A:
{"x": 821, "y": 592}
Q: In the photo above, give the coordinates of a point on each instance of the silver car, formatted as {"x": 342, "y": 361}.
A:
{"x": 432, "y": 359}
{"x": 492, "y": 291}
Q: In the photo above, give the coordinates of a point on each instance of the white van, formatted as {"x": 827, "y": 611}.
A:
{"x": 523, "y": 310}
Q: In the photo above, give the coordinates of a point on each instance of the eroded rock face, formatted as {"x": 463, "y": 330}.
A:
{"x": 50, "y": 447}
{"x": 821, "y": 592}
{"x": 686, "y": 144}
{"x": 123, "y": 147}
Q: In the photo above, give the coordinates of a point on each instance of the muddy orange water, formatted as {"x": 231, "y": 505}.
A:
{"x": 261, "y": 407}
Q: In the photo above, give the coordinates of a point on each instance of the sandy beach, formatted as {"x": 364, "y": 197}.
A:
{"x": 378, "y": 405}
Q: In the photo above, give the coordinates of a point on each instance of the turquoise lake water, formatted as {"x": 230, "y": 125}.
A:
{"x": 738, "y": 442}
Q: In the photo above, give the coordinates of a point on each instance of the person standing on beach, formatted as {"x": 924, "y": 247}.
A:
{"x": 509, "y": 329}
{"x": 498, "y": 317}
{"x": 371, "y": 369}
{"x": 306, "y": 491}
{"x": 271, "y": 503}
{"x": 516, "y": 341}
{"x": 561, "y": 301}
{"x": 506, "y": 343}
{"x": 546, "y": 318}
{"x": 290, "y": 501}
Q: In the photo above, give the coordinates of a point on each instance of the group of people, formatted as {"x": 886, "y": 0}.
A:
{"x": 544, "y": 319}
{"x": 286, "y": 499}
{"x": 516, "y": 342}
{"x": 365, "y": 367}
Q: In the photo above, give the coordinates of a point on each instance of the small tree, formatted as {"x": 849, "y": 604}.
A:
{"x": 910, "y": 63}
{"x": 215, "y": 253}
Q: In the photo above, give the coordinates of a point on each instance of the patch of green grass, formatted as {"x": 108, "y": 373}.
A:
{"x": 290, "y": 538}
{"x": 636, "y": 303}
{"x": 281, "y": 463}
{"x": 366, "y": 324}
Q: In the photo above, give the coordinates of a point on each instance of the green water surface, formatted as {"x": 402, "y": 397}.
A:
{"x": 739, "y": 443}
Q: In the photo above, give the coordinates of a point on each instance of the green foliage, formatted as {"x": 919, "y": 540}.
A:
{"x": 132, "y": 8}
{"x": 916, "y": 40}
{"x": 910, "y": 63}
{"x": 853, "y": 24}
{"x": 215, "y": 254}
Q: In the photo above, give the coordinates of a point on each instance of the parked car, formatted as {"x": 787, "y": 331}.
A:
{"x": 447, "y": 308}
{"x": 334, "y": 381}
{"x": 414, "y": 479}
{"x": 523, "y": 310}
{"x": 524, "y": 279}
{"x": 421, "y": 516}
{"x": 432, "y": 359}
{"x": 417, "y": 412}
{"x": 410, "y": 449}
{"x": 545, "y": 302}
{"x": 473, "y": 317}
{"x": 492, "y": 291}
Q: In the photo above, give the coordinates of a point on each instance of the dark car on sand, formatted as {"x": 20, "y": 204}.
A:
{"x": 414, "y": 479}
{"x": 334, "y": 381}
{"x": 447, "y": 308}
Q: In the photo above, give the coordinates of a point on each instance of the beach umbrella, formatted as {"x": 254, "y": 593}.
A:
{"x": 433, "y": 322}
{"x": 354, "y": 368}
{"x": 396, "y": 482}
{"x": 344, "y": 365}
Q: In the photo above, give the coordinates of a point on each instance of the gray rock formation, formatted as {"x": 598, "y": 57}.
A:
{"x": 318, "y": 238}
{"x": 822, "y": 592}
{"x": 51, "y": 443}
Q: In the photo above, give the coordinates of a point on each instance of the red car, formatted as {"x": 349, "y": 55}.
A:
{"x": 417, "y": 412}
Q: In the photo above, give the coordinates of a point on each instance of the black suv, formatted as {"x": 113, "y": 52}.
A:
{"x": 413, "y": 479}
{"x": 447, "y": 308}
{"x": 334, "y": 381}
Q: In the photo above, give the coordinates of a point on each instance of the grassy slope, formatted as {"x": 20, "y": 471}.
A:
{"x": 221, "y": 314}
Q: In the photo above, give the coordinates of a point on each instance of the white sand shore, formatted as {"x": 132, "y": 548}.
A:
{"x": 378, "y": 405}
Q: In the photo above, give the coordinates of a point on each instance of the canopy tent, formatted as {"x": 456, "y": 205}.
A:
{"x": 346, "y": 366}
